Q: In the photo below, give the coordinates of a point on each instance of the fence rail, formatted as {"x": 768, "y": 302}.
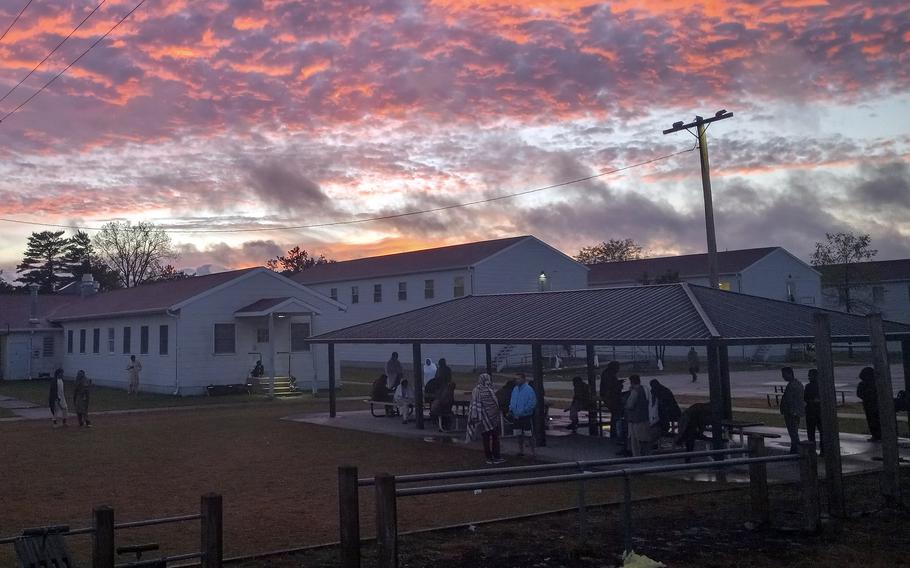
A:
{"x": 388, "y": 490}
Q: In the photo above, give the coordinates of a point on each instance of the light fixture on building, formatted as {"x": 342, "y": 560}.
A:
{"x": 791, "y": 289}
{"x": 542, "y": 282}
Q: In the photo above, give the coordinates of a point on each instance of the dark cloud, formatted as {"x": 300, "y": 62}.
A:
{"x": 886, "y": 186}
{"x": 284, "y": 184}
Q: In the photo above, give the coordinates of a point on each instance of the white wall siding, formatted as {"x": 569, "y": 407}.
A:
{"x": 23, "y": 354}
{"x": 518, "y": 269}
{"x": 894, "y": 302}
{"x": 768, "y": 278}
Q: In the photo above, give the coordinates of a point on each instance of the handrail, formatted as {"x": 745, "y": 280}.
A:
{"x": 480, "y": 485}
{"x": 489, "y": 472}
{"x": 119, "y": 526}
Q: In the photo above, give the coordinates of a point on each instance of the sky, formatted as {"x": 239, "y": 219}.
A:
{"x": 221, "y": 119}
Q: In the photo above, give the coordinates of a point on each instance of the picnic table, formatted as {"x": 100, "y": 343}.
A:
{"x": 778, "y": 387}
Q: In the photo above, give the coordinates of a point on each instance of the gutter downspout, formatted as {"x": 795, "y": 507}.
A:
{"x": 176, "y": 317}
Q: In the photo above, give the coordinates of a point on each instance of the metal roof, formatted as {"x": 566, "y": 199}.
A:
{"x": 671, "y": 314}
{"x": 686, "y": 266}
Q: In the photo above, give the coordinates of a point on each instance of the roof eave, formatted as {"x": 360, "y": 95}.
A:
{"x": 111, "y": 315}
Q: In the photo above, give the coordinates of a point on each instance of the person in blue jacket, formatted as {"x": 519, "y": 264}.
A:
{"x": 521, "y": 407}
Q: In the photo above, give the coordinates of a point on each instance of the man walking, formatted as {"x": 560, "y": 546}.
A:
{"x": 521, "y": 407}
{"x": 637, "y": 417}
{"x": 692, "y": 358}
{"x": 792, "y": 406}
{"x": 394, "y": 372}
{"x": 611, "y": 395}
{"x": 133, "y": 368}
{"x": 813, "y": 409}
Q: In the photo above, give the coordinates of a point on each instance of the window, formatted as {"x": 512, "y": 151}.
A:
{"x": 82, "y": 334}
{"x": 111, "y": 346}
{"x": 47, "y": 349}
{"x": 377, "y": 293}
{"x": 333, "y": 294}
{"x": 96, "y": 340}
{"x": 144, "y": 339}
{"x": 162, "y": 340}
{"x": 126, "y": 340}
{"x": 69, "y": 341}
{"x": 878, "y": 294}
{"x": 355, "y": 294}
{"x": 428, "y": 292}
{"x": 402, "y": 291}
{"x": 299, "y": 334}
{"x": 262, "y": 335}
{"x": 224, "y": 338}
{"x": 724, "y": 285}
{"x": 459, "y": 287}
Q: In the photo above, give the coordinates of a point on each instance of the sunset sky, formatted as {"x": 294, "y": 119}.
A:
{"x": 222, "y": 115}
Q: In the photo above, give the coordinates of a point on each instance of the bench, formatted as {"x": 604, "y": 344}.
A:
{"x": 389, "y": 408}
{"x": 777, "y": 395}
{"x": 44, "y": 546}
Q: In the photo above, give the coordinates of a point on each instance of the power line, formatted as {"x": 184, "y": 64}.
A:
{"x": 383, "y": 217}
{"x": 65, "y": 69}
{"x": 16, "y": 19}
{"x": 53, "y": 51}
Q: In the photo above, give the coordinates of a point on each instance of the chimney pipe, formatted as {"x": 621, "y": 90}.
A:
{"x": 33, "y": 307}
{"x": 87, "y": 286}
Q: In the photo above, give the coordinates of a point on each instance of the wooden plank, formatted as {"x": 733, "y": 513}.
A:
{"x": 332, "y": 395}
{"x": 717, "y": 396}
{"x": 891, "y": 491}
{"x": 905, "y": 359}
{"x": 724, "y": 362}
{"x": 830, "y": 427}
{"x": 418, "y": 385}
{"x": 540, "y": 414}
{"x": 349, "y": 516}
{"x": 593, "y": 415}
{"x": 211, "y": 531}
{"x": 758, "y": 482}
{"x": 808, "y": 476}
{"x": 386, "y": 521}
{"x": 488, "y": 356}
{"x": 103, "y": 537}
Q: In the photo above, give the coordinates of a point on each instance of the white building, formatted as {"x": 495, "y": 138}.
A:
{"x": 192, "y": 333}
{"x": 770, "y": 272}
{"x": 381, "y": 286}
{"x": 878, "y": 286}
{"x": 30, "y": 344}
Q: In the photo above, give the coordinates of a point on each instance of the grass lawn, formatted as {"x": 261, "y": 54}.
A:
{"x": 6, "y": 413}
{"x": 278, "y": 478}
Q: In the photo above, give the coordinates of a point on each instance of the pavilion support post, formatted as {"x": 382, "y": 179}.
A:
{"x": 540, "y": 415}
{"x": 905, "y": 359}
{"x": 724, "y": 359}
{"x": 830, "y": 428}
{"x": 332, "y": 394}
{"x": 488, "y": 352}
{"x": 717, "y": 395}
{"x": 418, "y": 386}
{"x": 890, "y": 484}
{"x": 593, "y": 422}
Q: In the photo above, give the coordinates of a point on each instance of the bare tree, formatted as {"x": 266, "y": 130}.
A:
{"x": 135, "y": 252}
{"x": 837, "y": 257}
{"x": 613, "y": 250}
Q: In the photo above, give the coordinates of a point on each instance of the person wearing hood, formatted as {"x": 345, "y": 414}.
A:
{"x": 429, "y": 370}
{"x": 441, "y": 409}
{"x": 611, "y": 395}
{"x": 581, "y": 401}
{"x": 56, "y": 398}
{"x": 792, "y": 406}
{"x": 667, "y": 408}
{"x": 394, "y": 372}
{"x": 484, "y": 417}
{"x": 866, "y": 392}
{"x": 637, "y": 418}
{"x": 81, "y": 398}
{"x": 439, "y": 382}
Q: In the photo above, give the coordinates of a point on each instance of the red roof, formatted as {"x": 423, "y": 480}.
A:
{"x": 147, "y": 298}
{"x": 15, "y": 308}
{"x": 427, "y": 260}
{"x": 687, "y": 266}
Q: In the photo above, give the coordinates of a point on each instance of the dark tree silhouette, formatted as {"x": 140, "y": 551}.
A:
{"x": 613, "y": 250}
{"x": 296, "y": 260}
{"x": 837, "y": 258}
{"x": 43, "y": 262}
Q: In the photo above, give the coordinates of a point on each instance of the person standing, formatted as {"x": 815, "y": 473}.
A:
{"x": 792, "y": 406}
{"x": 404, "y": 399}
{"x": 81, "y": 398}
{"x": 813, "y": 409}
{"x": 521, "y": 407}
{"x": 866, "y": 392}
{"x": 611, "y": 395}
{"x": 637, "y": 417}
{"x": 692, "y": 358}
{"x": 394, "y": 372}
{"x": 667, "y": 408}
{"x": 429, "y": 370}
{"x": 484, "y": 417}
{"x": 581, "y": 401}
{"x": 133, "y": 368}
{"x": 56, "y": 398}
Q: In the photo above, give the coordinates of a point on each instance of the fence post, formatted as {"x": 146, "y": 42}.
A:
{"x": 349, "y": 516}
{"x": 830, "y": 442}
{"x": 808, "y": 476}
{"x": 386, "y": 521}
{"x": 211, "y": 530}
{"x": 627, "y": 510}
{"x": 582, "y": 508}
{"x": 758, "y": 481}
{"x": 103, "y": 537}
{"x": 890, "y": 484}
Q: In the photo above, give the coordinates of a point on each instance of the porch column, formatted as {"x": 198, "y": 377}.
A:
{"x": 830, "y": 428}
{"x": 725, "y": 380}
{"x": 715, "y": 389}
{"x": 331, "y": 380}
{"x": 488, "y": 349}
{"x": 418, "y": 385}
{"x": 271, "y": 355}
{"x": 540, "y": 415}
{"x": 593, "y": 422}
{"x": 891, "y": 488}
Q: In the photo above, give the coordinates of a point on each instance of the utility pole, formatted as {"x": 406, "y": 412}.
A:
{"x": 701, "y": 126}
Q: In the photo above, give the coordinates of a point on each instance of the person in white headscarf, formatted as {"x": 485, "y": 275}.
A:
{"x": 429, "y": 370}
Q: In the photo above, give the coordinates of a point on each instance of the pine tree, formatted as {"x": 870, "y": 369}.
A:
{"x": 43, "y": 263}
{"x": 81, "y": 259}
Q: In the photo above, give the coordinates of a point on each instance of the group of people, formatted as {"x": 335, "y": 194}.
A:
{"x": 56, "y": 399}
{"x": 798, "y": 402}
{"x": 516, "y": 400}
{"x": 439, "y": 389}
